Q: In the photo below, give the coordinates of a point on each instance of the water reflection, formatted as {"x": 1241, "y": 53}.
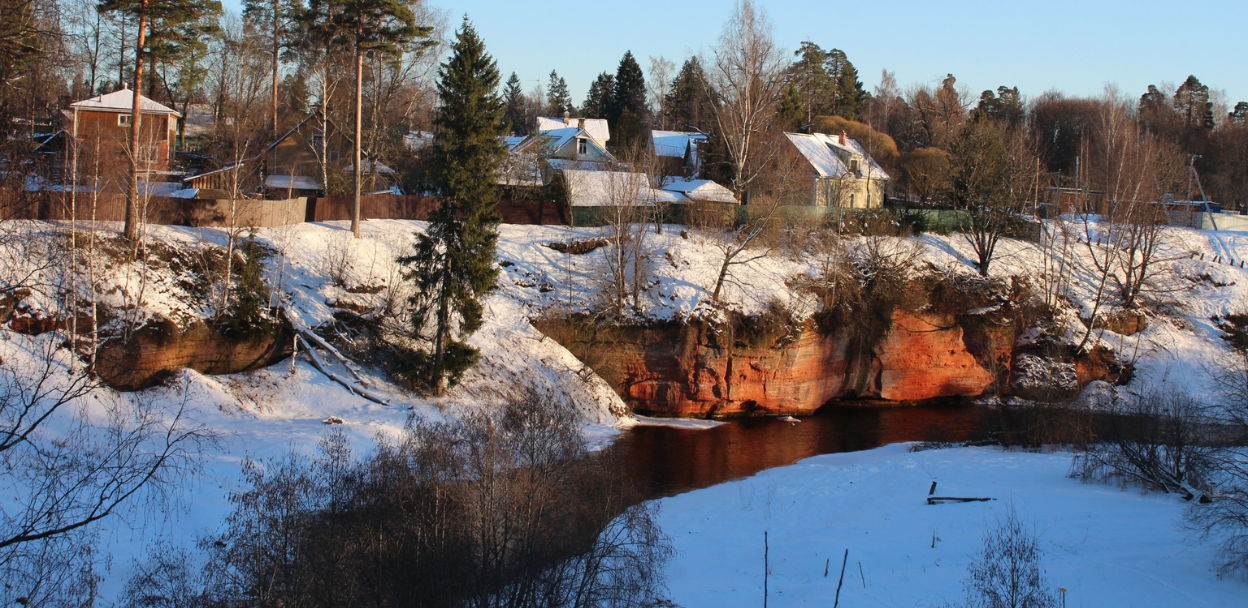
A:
{"x": 669, "y": 461}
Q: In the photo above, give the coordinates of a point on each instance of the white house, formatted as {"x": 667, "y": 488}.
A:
{"x": 595, "y": 127}
{"x": 841, "y": 172}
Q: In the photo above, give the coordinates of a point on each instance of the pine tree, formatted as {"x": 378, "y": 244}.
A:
{"x": 364, "y": 27}
{"x": 513, "y": 98}
{"x": 453, "y": 262}
{"x": 557, "y": 97}
{"x": 811, "y": 90}
{"x": 1239, "y": 115}
{"x": 1191, "y": 100}
{"x": 598, "y": 101}
{"x": 278, "y": 19}
{"x": 172, "y": 24}
{"x": 628, "y": 114}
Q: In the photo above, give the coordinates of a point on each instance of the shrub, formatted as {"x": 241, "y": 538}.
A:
{"x": 1007, "y": 573}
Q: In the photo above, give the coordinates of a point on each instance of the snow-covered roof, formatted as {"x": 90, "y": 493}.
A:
{"x": 377, "y": 167}
{"x": 596, "y": 127}
{"x": 418, "y": 140}
{"x": 199, "y": 120}
{"x": 827, "y": 155}
{"x": 674, "y": 143}
{"x": 701, "y": 190}
{"x": 511, "y": 141}
{"x": 121, "y": 101}
{"x": 555, "y": 139}
{"x": 292, "y": 182}
{"x": 614, "y": 189}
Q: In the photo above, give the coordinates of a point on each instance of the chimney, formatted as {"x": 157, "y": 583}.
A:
{"x": 580, "y": 122}
{"x": 567, "y": 122}
{"x": 842, "y": 139}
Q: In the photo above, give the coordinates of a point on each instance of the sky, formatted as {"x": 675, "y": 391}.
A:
{"x": 1073, "y": 46}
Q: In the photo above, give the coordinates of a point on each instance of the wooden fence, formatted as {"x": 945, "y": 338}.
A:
{"x": 394, "y": 207}
{"x": 111, "y": 207}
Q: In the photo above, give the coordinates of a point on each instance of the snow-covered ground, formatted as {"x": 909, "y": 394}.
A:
{"x": 268, "y": 412}
{"x": 1107, "y": 546}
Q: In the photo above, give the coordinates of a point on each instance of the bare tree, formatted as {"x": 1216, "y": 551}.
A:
{"x": 662, "y": 71}
{"x": 65, "y": 471}
{"x": 1007, "y": 574}
{"x": 747, "y": 78}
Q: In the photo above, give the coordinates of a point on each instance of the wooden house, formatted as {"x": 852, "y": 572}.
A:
{"x": 295, "y": 164}
{"x": 101, "y": 126}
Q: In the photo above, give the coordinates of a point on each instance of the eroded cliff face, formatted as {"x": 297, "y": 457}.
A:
{"x": 146, "y": 355}
{"x": 696, "y": 369}
{"x": 161, "y": 347}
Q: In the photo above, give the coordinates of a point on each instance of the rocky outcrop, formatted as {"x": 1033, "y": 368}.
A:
{"x": 160, "y": 347}
{"x": 749, "y": 367}
{"x": 698, "y": 370}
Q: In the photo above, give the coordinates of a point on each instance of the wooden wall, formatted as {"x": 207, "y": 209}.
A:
{"x": 110, "y": 207}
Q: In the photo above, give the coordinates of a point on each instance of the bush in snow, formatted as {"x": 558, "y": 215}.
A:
{"x": 1007, "y": 573}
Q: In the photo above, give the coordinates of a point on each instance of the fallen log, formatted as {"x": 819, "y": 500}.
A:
{"x": 936, "y": 500}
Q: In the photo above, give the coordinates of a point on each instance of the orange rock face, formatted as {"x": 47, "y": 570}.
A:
{"x": 924, "y": 357}
{"x": 690, "y": 370}
{"x": 160, "y": 348}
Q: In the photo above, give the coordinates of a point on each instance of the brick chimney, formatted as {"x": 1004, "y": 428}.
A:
{"x": 580, "y": 122}
{"x": 842, "y": 139}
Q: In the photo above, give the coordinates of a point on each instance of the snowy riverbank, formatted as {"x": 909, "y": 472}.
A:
{"x": 1107, "y": 545}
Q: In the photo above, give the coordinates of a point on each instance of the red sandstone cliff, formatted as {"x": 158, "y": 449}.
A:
{"x": 696, "y": 370}
{"x": 691, "y": 370}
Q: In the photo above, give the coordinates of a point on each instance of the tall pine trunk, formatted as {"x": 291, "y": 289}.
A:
{"x": 131, "y": 230}
{"x": 359, "y": 130}
{"x": 276, "y": 49}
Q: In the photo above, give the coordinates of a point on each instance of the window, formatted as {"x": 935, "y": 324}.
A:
{"x": 582, "y": 146}
{"x": 123, "y": 120}
{"x": 318, "y": 140}
{"x": 853, "y": 166}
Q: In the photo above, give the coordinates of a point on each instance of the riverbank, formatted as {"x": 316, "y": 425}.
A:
{"x": 1108, "y": 546}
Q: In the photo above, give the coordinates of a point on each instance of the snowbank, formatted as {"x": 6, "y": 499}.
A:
{"x": 1107, "y": 546}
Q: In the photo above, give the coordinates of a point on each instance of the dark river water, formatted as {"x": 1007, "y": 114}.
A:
{"x": 669, "y": 461}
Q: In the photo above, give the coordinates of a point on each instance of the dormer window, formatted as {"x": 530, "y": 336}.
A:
{"x": 853, "y": 166}
{"x": 123, "y": 120}
{"x": 582, "y": 146}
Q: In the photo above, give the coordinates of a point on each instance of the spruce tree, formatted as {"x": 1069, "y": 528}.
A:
{"x": 513, "y": 98}
{"x": 598, "y": 101}
{"x": 453, "y": 262}
{"x": 849, "y": 94}
{"x": 628, "y": 114}
{"x": 689, "y": 103}
{"x": 557, "y": 97}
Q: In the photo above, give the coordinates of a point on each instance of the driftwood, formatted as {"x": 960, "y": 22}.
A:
{"x": 938, "y": 500}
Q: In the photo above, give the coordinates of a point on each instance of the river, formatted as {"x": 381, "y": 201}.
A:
{"x": 672, "y": 460}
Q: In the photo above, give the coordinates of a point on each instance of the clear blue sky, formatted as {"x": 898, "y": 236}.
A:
{"x": 1069, "y": 45}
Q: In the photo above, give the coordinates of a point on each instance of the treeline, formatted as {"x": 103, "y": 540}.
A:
{"x": 288, "y": 56}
